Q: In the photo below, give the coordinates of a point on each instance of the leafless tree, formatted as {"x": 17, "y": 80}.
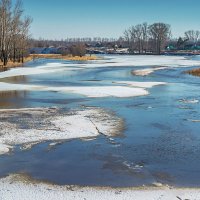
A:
{"x": 159, "y": 33}
{"x": 192, "y": 35}
{"x": 14, "y": 31}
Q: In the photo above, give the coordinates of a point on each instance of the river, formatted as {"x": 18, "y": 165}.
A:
{"x": 160, "y": 141}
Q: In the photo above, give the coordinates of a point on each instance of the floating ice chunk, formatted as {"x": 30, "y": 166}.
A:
{"x": 145, "y": 72}
{"x": 4, "y": 148}
{"x": 194, "y": 120}
{"x": 192, "y": 101}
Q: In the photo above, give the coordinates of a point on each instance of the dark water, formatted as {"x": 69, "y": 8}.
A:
{"x": 160, "y": 143}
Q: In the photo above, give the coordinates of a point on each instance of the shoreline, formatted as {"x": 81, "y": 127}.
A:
{"x": 48, "y": 56}
{"x": 23, "y": 187}
{"x": 67, "y": 57}
{"x": 15, "y": 64}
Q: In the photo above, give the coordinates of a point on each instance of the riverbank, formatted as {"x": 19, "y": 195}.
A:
{"x": 31, "y": 57}
{"x": 11, "y": 64}
{"x": 22, "y": 187}
{"x": 67, "y": 57}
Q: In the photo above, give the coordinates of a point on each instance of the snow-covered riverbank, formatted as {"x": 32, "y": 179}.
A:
{"x": 22, "y": 188}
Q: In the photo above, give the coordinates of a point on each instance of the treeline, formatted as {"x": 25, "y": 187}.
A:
{"x": 190, "y": 41}
{"x": 41, "y": 42}
{"x": 14, "y": 32}
{"x": 144, "y": 38}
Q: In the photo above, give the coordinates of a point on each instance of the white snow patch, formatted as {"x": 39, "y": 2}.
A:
{"x": 104, "y": 91}
{"x": 144, "y": 60}
{"x": 48, "y": 68}
{"x": 20, "y": 188}
{"x": 4, "y": 148}
{"x": 77, "y": 124}
{"x": 94, "y": 91}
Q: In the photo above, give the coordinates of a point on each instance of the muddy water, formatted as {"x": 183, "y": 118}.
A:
{"x": 161, "y": 141}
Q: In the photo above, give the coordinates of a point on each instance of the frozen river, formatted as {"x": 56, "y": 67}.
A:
{"x": 145, "y": 109}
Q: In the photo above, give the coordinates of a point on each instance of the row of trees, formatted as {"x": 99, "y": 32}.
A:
{"x": 14, "y": 32}
{"x": 144, "y": 38}
{"x": 154, "y": 38}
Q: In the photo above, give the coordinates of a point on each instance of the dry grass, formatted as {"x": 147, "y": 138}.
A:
{"x": 48, "y": 56}
{"x": 68, "y": 57}
{"x": 11, "y": 64}
{"x": 194, "y": 72}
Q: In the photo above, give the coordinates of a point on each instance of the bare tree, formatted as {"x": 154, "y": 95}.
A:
{"x": 13, "y": 31}
{"x": 160, "y": 33}
{"x": 78, "y": 50}
{"x": 145, "y": 37}
{"x": 192, "y": 36}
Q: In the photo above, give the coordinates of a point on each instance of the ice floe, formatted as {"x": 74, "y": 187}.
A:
{"x": 48, "y": 125}
{"x": 93, "y": 91}
{"x": 189, "y": 101}
{"x": 4, "y": 148}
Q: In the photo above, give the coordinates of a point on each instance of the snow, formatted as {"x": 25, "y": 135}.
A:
{"x": 4, "y": 148}
{"x": 104, "y": 91}
{"x": 86, "y": 123}
{"x": 22, "y": 188}
{"x": 93, "y": 91}
{"x": 145, "y": 60}
{"x": 48, "y": 68}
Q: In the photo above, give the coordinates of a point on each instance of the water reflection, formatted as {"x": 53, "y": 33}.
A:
{"x": 3, "y": 69}
{"x": 9, "y": 99}
{"x": 15, "y": 79}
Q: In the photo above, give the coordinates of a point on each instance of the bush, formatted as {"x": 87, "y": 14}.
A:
{"x": 78, "y": 50}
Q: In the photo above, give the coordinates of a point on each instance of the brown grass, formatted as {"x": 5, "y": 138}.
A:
{"x": 48, "y": 56}
{"x": 11, "y": 64}
{"x": 194, "y": 72}
{"x": 67, "y": 57}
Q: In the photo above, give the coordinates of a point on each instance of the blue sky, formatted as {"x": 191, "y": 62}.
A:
{"x": 56, "y": 19}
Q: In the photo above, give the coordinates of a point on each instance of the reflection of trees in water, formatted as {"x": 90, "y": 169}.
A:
{"x": 3, "y": 69}
{"x": 11, "y": 98}
{"x": 15, "y": 79}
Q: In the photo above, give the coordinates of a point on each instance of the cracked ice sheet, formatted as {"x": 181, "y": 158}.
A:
{"x": 41, "y": 126}
{"x": 21, "y": 187}
{"x": 93, "y": 91}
